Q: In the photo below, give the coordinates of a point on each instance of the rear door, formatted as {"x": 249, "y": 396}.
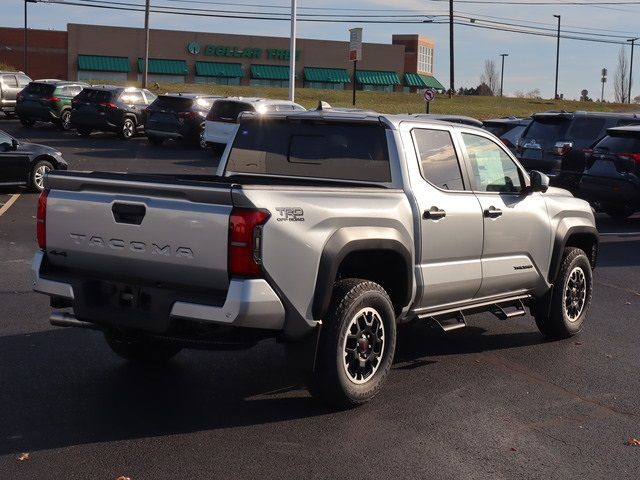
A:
{"x": 517, "y": 229}
{"x": 14, "y": 166}
{"x": 450, "y": 222}
{"x": 135, "y": 102}
{"x": 10, "y": 88}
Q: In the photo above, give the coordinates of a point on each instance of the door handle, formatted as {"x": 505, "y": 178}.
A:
{"x": 434, "y": 213}
{"x": 492, "y": 212}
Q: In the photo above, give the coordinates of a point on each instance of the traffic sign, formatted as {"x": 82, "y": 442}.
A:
{"x": 429, "y": 95}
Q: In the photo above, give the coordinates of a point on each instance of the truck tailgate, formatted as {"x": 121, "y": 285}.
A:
{"x": 150, "y": 228}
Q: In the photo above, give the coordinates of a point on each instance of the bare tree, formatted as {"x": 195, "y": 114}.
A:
{"x": 490, "y": 76}
{"x": 621, "y": 78}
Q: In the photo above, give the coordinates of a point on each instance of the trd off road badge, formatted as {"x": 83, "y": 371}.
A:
{"x": 290, "y": 214}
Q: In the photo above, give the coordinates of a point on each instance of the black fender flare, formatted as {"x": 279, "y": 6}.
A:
{"x": 563, "y": 233}
{"x": 354, "y": 239}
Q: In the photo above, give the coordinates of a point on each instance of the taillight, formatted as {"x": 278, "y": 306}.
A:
{"x": 109, "y": 105}
{"x": 51, "y": 99}
{"x": 187, "y": 114}
{"x": 507, "y": 143}
{"x": 632, "y": 156}
{"x": 562, "y": 148}
{"x": 245, "y": 241}
{"x": 41, "y": 220}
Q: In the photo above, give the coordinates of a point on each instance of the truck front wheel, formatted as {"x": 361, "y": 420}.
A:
{"x": 563, "y": 314}
{"x": 357, "y": 344}
{"x": 141, "y": 350}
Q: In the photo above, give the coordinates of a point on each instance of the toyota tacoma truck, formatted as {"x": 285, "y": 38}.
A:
{"x": 326, "y": 230}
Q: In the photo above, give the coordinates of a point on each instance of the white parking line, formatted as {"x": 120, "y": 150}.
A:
{"x": 619, "y": 234}
{"x": 10, "y": 202}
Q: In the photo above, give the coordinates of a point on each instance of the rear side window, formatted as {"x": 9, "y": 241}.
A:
{"x": 438, "y": 160}
{"x": 586, "y": 129}
{"x": 89, "y": 95}
{"x": 229, "y": 111}
{"x": 334, "y": 151}
{"x": 619, "y": 144}
{"x": 40, "y": 88}
{"x": 497, "y": 130}
{"x": 23, "y": 80}
{"x": 10, "y": 81}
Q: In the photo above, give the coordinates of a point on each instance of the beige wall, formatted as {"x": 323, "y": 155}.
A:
{"x": 169, "y": 44}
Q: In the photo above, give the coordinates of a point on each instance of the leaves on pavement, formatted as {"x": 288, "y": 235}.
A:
{"x": 23, "y": 457}
{"x": 633, "y": 442}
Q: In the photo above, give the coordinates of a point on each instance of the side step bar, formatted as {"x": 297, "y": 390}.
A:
{"x": 63, "y": 319}
{"x": 451, "y": 323}
{"x": 502, "y": 313}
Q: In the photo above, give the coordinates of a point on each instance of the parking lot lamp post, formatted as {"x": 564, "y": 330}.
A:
{"x": 145, "y": 73}
{"x": 502, "y": 72}
{"x": 557, "y": 57}
{"x": 452, "y": 87}
{"x": 292, "y": 52}
{"x": 633, "y": 41}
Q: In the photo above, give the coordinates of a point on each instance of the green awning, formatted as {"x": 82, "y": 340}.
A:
{"x": 327, "y": 75}
{"x": 270, "y": 72}
{"x": 165, "y": 67}
{"x": 374, "y": 77}
{"x": 101, "y": 63}
{"x": 216, "y": 69}
{"x": 421, "y": 81}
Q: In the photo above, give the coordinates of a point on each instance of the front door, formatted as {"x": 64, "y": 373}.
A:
{"x": 517, "y": 231}
{"x": 450, "y": 222}
{"x": 14, "y": 166}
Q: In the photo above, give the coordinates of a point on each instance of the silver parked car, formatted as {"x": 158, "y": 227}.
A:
{"x": 11, "y": 83}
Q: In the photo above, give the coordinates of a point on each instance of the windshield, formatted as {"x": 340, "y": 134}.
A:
{"x": 333, "y": 151}
{"x": 619, "y": 144}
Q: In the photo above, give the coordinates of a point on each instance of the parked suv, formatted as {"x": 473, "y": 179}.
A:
{"x": 508, "y": 129}
{"x": 179, "y": 116}
{"x": 47, "y": 101}
{"x": 554, "y": 142}
{"x": 110, "y": 108}
{"x": 220, "y": 126}
{"x": 612, "y": 175}
{"x": 10, "y": 85}
{"x": 325, "y": 230}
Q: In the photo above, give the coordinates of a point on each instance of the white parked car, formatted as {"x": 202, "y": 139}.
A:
{"x": 220, "y": 125}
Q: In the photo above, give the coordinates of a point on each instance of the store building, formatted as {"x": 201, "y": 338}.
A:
{"x": 115, "y": 53}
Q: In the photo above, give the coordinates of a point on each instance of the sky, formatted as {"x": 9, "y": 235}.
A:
{"x": 530, "y": 64}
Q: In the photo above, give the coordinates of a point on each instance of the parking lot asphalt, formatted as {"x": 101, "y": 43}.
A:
{"x": 494, "y": 400}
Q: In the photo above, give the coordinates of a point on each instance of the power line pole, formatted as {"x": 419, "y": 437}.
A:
{"x": 145, "y": 73}
{"x": 633, "y": 41}
{"x": 452, "y": 89}
{"x": 292, "y": 52}
{"x": 24, "y": 60}
{"x": 502, "y": 72}
{"x": 557, "y": 57}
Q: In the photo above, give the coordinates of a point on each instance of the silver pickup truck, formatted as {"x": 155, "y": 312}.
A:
{"x": 326, "y": 230}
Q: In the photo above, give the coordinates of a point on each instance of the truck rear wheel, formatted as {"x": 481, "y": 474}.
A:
{"x": 141, "y": 350}
{"x": 563, "y": 314}
{"x": 357, "y": 344}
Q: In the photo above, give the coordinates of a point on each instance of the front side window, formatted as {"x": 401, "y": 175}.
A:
{"x": 5, "y": 138}
{"x": 10, "y": 81}
{"x": 439, "y": 163}
{"x": 492, "y": 170}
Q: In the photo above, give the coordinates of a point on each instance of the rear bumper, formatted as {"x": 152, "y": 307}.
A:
{"x": 31, "y": 112}
{"x": 163, "y": 134}
{"x": 611, "y": 190}
{"x": 249, "y": 303}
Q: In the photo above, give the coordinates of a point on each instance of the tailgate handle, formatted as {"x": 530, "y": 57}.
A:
{"x": 128, "y": 213}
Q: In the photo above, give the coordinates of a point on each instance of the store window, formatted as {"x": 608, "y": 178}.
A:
{"x": 377, "y": 88}
{"x": 257, "y": 82}
{"x": 425, "y": 59}
{"x": 218, "y": 80}
{"x": 324, "y": 85}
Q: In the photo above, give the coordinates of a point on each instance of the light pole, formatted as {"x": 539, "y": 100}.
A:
{"x": 292, "y": 52}
{"x": 633, "y": 41}
{"x": 502, "y": 71}
{"x": 451, "y": 55}
{"x": 557, "y": 57}
{"x": 145, "y": 73}
{"x": 24, "y": 59}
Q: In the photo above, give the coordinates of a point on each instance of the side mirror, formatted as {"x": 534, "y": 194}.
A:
{"x": 14, "y": 144}
{"x": 539, "y": 181}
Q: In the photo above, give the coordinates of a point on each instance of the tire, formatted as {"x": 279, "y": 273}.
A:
{"x": 618, "y": 212}
{"x": 364, "y": 309}
{"x": 140, "y": 350}
{"x": 573, "y": 284}
{"x": 128, "y": 129}
{"x": 27, "y": 123}
{"x": 155, "y": 140}
{"x": 36, "y": 180}
{"x": 65, "y": 120}
{"x": 84, "y": 132}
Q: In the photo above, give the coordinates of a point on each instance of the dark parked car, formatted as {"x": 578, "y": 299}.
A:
{"x": 47, "y": 101}
{"x": 23, "y": 163}
{"x": 109, "y": 108}
{"x": 11, "y": 83}
{"x": 554, "y": 142}
{"x": 179, "y": 116}
{"x": 612, "y": 175}
{"x": 507, "y": 129}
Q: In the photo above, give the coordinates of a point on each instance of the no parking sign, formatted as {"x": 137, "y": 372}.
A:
{"x": 429, "y": 95}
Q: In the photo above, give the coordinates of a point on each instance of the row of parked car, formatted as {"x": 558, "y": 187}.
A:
{"x": 595, "y": 155}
